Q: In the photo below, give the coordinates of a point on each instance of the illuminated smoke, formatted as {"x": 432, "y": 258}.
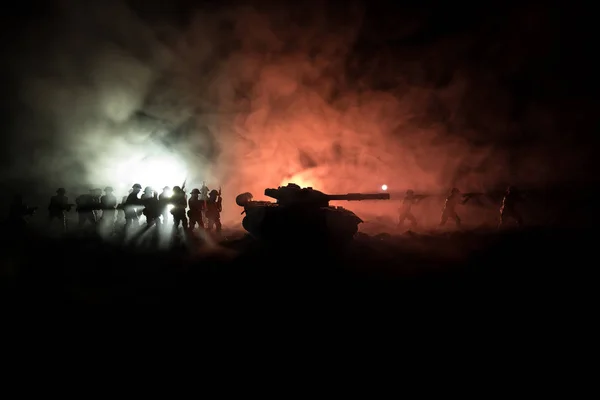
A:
{"x": 248, "y": 99}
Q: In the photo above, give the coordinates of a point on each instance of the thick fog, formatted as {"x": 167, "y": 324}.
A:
{"x": 249, "y": 98}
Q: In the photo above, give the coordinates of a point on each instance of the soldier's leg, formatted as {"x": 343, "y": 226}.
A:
{"x": 456, "y": 219}
{"x": 411, "y": 218}
{"x": 184, "y": 221}
{"x": 502, "y": 219}
{"x": 81, "y": 219}
{"x": 218, "y": 224}
{"x": 444, "y": 219}
{"x": 401, "y": 219}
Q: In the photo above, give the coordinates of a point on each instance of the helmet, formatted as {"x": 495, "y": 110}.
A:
{"x": 61, "y": 191}
{"x": 409, "y": 192}
{"x": 108, "y": 189}
{"x": 148, "y": 189}
{"x": 176, "y": 188}
{"x": 243, "y": 199}
{"x": 137, "y": 186}
{"x": 214, "y": 193}
{"x": 195, "y": 191}
{"x": 166, "y": 188}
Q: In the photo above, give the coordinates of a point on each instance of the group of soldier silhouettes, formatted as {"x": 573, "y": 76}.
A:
{"x": 507, "y": 209}
{"x": 203, "y": 208}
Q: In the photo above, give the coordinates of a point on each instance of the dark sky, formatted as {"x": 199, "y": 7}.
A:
{"x": 511, "y": 90}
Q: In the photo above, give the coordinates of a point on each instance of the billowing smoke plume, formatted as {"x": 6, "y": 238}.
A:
{"x": 246, "y": 98}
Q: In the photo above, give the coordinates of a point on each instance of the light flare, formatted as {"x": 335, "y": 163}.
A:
{"x": 155, "y": 172}
{"x": 384, "y": 187}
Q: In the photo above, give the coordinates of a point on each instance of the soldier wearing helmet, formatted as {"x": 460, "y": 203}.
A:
{"x": 195, "y": 213}
{"x": 58, "y": 207}
{"x": 508, "y": 208}
{"x": 409, "y": 200}
{"x": 213, "y": 210}
{"x": 179, "y": 202}
{"x": 449, "y": 211}
{"x": 133, "y": 206}
{"x": 109, "y": 203}
{"x": 163, "y": 200}
{"x": 87, "y": 205}
{"x": 151, "y": 206}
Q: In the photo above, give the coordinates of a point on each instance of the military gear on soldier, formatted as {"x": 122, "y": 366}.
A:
{"x": 87, "y": 205}
{"x": 508, "y": 209}
{"x": 195, "y": 213}
{"x": 131, "y": 206}
{"x": 405, "y": 211}
{"x": 449, "y": 210}
{"x": 179, "y": 202}
{"x": 57, "y": 208}
{"x": 109, "y": 204}
{"x": 151, "y": 207}
{"x": 163, "y": 200}
{"x": 213, "y": 210}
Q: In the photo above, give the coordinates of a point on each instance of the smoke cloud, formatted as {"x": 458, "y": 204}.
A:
{"x": 247, "y": 98}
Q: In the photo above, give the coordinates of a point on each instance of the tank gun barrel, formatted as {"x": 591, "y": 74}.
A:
{"x": 359, "y": 196}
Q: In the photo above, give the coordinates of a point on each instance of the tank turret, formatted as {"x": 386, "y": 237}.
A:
{"x": 302, "y": 214}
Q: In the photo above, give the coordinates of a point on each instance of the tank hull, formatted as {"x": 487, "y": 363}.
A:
{"x": 273, "y": 222}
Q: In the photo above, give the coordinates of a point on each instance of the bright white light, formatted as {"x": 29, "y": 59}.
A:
{"x": 168, "y": 193}
{"x": 383, "y": 187}
{"x": 170, "y": 207}
{"x": 156, "y": 172}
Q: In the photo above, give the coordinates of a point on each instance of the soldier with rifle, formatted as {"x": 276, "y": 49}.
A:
{"x": 409, "y": 200}
{"x": 87, "y": 206}
{"x": 213, "y": 210}
{"x": 195, "y": 213}
{"x": 163, "y": 200}
{"x": 151, "y": 207}
{"x": 109, "y": 204}
{"x": 59, "y": 205}
{"x": 131, "y": 206}
{"x": 455, "y": 198}
{"x": 508, "y": 209}
{"x": 179, "y": 202}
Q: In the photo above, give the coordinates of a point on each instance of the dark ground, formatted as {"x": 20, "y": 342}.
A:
{"x": 548, "y": 269}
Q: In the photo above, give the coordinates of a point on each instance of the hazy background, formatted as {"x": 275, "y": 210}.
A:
{"x": 344, "y": 97}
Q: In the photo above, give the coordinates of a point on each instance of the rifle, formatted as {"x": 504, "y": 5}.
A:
{"x": 220, "y": 200}
{"x": 469, "y": 196}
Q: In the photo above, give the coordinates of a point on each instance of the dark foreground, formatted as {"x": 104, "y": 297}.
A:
{"x": 538, "y": 266}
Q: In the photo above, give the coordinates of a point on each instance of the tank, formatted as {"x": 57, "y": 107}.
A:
{"x": 302, "y": 214}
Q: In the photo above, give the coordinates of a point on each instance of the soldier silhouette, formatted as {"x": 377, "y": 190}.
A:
{"x": 131, "y": 206}
{"x": 109, "y": 204}
{"x": 179, "y": 202}
{"x": 59, "y": 205}
{"x": 151, "y": 205}
{"x": 195, "y": 213}
{"x": 508, "y": 209}
{"x": 213, "y": 211}
{"x": 164, "y": 199}
{"x": 87, "y": 204}
{"x": 449, "y": 211}
{"x": 405, "y": 210}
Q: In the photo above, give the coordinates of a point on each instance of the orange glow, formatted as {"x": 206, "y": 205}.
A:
{"x": 301, "y": 180}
